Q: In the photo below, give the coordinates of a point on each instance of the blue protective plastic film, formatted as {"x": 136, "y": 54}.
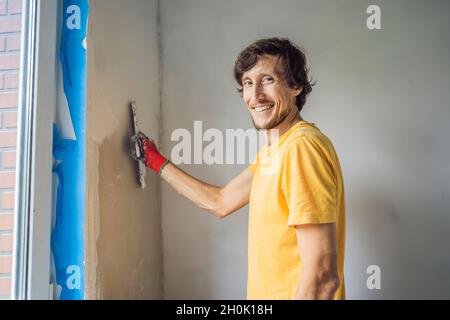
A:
{"x": 67, "y": 240}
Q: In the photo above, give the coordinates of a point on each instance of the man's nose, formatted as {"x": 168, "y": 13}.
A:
{"x": 258, "y": 91}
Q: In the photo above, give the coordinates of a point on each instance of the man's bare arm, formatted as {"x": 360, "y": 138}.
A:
{"x": 220, "y": 201}
{"x": 319, "y": 278}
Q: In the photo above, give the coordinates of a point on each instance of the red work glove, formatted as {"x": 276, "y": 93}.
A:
{"x": 153, "y": 159}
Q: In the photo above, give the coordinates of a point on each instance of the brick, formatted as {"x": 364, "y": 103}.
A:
{"x": 10, "y": 119}
{"x": 6, "y": 221}
{"x": 2, "y": 43}
{"x": 9, "y": 159}
{"x": 1, "y": 120}
{"x": 5, "y": 286}
{"x": 8, "y": 139}
{"x": 6, "y": 242}
{"x": 10, "y": 24}
{"x": 11, "y": 81}
{"x": 1, "y": 81}
{"x": 7, "y": 180}
{"x": 9, "y": 99}
{"x": 10, "y": 62}
{"x": 14, "y": 6}
{"x": 5, "y": 264}
{"x": 13, "y": 42}
{"x": 8, "y": 200}
{"x": 2, "y": 7}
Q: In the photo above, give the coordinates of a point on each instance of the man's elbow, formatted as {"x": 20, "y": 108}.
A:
{"x": 332, "y": 283}
{"x": 328, "y": 282}
{"x": 325, "y": 277}
{"x": 219, "y": 213}
{"x": 221, "y": 207}
{"x": 222, "y": 212}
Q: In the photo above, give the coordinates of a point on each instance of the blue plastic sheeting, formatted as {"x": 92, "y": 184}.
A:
{"x": 67, "y": 240}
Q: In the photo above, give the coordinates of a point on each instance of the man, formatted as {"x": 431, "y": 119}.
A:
{"x": 296, "y": 209}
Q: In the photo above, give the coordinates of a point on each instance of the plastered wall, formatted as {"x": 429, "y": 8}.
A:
{"x": 123, "y": 222}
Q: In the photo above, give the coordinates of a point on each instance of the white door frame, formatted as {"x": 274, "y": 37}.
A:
{"x": 37, "y": 105}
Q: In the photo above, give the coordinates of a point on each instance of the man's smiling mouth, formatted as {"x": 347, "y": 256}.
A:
{"x": 262, "y": 108}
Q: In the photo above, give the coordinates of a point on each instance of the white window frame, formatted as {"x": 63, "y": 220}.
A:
{"x": 37, "y": 105}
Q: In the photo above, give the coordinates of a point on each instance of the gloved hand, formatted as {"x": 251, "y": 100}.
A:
{"x": 149, "y": 153}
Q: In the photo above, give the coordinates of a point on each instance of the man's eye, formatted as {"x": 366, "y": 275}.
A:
{"x": 247, "y": 83}
{"x": 267, "y": 79}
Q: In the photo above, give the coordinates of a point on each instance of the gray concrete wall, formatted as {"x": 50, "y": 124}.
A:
{"x": 381, "y": 96}
{"x": 123, "y": 222}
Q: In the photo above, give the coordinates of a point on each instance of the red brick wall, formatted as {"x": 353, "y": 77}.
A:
{"x": 10, "y": 24}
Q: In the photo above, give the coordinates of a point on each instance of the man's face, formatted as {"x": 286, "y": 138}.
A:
{"x": 266, "y": 94}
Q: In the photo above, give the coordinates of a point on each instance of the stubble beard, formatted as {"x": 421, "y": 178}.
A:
{"x": 273, "y": 123}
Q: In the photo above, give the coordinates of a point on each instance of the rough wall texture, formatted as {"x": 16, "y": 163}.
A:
{"x": 123, "y": 244}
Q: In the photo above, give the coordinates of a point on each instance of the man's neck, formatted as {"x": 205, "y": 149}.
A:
{"x": 274, "y": 133}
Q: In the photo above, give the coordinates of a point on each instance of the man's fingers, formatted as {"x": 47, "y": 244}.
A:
{"x": 140, "y": 139}
{"x": 143, "y": 136}
{"x": 135, "y": 138}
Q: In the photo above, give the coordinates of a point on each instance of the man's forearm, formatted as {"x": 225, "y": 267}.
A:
{"x": 204, "y": 195}
{"x": 220, "y": 201}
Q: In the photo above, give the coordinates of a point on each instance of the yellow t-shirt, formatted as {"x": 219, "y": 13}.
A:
{"x": 297, "y": 180}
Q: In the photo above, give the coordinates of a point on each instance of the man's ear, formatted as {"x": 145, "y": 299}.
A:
{"x": 298, "y": 91}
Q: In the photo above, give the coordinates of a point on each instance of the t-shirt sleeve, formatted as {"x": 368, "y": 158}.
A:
{"x": 252, "y": 166}
{"x": 309, "y": 183}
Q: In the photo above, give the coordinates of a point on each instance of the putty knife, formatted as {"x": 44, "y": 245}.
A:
{"x": 137, "y": 150}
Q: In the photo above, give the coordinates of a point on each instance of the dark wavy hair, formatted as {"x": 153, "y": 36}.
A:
{"x": 293, "y": 64}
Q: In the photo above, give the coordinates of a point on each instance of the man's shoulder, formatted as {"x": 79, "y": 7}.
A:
{"x": 307, "y": 134}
